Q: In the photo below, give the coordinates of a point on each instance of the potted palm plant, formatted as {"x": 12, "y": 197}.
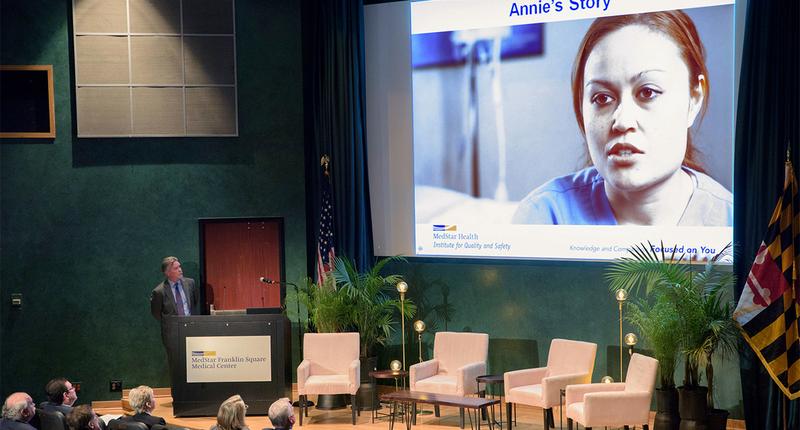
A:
{"x": 719, "y": 335}
{"x": 372, "y": 296}
{"x": 703, "y": 327}
{"x": 328, "y": 308}
{"x": 692, "y": 404}
{"x": 657, "y": 322}
{"x": 372, "y": 311}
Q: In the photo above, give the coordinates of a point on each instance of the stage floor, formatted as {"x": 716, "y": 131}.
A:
{"x": 528, "y": 418}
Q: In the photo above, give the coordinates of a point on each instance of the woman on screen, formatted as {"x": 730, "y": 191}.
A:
{"x": 639, "y": 83}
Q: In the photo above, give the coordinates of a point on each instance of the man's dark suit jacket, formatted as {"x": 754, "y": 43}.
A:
{"x": 15, "y": 425}
{"x": 147, "y": 419}
{"x": 162, "y": 302}
{"x": 55, "y": 407}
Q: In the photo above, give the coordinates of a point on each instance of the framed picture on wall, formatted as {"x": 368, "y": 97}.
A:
{"x": 27, "y": 108}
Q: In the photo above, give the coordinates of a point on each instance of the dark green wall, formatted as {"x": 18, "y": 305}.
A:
{"x": 85, "y": 222}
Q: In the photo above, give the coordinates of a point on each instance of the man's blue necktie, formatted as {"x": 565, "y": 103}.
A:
{"x": 179, "y": 299}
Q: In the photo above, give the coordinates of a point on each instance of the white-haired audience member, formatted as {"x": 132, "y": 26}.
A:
{"x": 231, "y": 414}
{"x": 281, "y": 414}
{"x": 18, "y": 410}
{"x": 143, "y": 402}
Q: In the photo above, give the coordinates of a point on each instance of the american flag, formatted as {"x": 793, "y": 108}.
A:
{"x": 325, "y": 249}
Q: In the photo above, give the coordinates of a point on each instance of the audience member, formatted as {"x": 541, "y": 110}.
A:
{"x": 61, "y": 396}
{"x": 231, "y": 414}
{"x": 18, "y": 410}
{"x": 143, "y": 402}
{"x": 281, "y": 414}
{"x": 83, "y": 418}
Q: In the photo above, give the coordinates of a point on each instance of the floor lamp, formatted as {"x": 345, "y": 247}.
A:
{"x": 419, "y": 327}
{"x": 631, "y": 340}
{"x": 395, "y": 367}
{"x": 402, "y": 287}
{"x": 621, "y": 295}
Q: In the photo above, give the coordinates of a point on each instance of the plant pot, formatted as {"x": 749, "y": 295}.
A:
{"x": 692, "y": 407}
{"x": 667, "y": 417}
{"x": 368, "y": 364}
{"x": 367, "y": 392}
{"x": 717, "y": 419}
{"x": 329, "y": 402}
{"x": 367, "y": 397}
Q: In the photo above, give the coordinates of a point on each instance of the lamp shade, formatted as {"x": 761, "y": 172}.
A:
{"x": 402, "y": 287}
{"x": 621, "y": 295}
{"x": 607, "y": 379}
{"x": 395, "y": 365}
{"x": 631, "y": 339}
{"x": 419, "y": 326}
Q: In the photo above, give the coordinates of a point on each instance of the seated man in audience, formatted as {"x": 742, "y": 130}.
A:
{"x": 143, "y": 401}
{"x": 281, "y": 414}
{"x": 83, "y": 418}
{"x": 61, "y": 396}
{"x": 18, "y": 410}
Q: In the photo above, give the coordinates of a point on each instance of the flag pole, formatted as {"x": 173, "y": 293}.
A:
{"x": 785, "y": 403}
{"x": 784, "y": 411}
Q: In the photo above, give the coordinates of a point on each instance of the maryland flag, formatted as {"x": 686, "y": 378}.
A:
{"x": 767, "y": 311}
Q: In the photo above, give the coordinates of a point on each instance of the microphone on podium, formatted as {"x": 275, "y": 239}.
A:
{"x": 272, "y": 281}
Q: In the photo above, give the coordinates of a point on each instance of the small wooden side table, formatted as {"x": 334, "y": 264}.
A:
{"x": 386, "y": 374}
{"x": 487, "y": 380}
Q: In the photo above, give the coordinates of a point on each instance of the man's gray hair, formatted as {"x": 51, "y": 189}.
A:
{"x": 166, "y": 263}
{"x": 139, "y": 397}
{"x": 279, "y": 413}
{"x": 13, "y": 408}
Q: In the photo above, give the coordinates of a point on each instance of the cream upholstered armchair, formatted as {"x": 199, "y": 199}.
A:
{"x": 330, "y": 366}
{"x": 617, "y": 404}
{"x": 458, "y": 358}
{"x": 568, "y": 362}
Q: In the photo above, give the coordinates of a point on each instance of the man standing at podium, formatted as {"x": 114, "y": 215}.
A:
{"x": 176, "y": 295}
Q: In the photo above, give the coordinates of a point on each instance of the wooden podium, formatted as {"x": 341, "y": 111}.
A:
{"x": 213, "y": 357}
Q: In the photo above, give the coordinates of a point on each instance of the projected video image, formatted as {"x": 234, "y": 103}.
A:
{"x": 574, "y": 138}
